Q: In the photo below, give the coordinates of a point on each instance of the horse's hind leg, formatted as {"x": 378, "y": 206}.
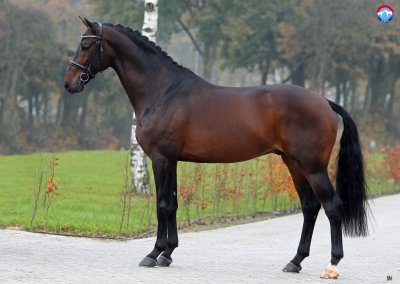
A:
{"x": 332, "y": 204}
{"x": 310, "y": 207}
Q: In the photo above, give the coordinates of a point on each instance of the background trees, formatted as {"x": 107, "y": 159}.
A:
{"x": 337, "y": 48}
{"x": 26, "y": 78}
{"x": 35, "y": 112}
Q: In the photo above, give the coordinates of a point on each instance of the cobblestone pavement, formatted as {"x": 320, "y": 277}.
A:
{"x": 250, "y": 253}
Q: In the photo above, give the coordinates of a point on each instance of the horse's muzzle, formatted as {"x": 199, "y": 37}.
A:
{"x": 75, "y": 89}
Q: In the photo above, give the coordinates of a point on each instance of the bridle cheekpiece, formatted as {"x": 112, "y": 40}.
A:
{"x": 87, "y": 73}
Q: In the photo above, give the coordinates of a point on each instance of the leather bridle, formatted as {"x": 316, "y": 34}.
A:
{"x": 87, "y": 73}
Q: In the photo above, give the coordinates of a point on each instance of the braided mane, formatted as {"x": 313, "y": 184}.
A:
{"x": 144, "y": 42}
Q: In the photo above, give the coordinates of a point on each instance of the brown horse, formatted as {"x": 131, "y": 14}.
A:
{"x": 181, "y": 117}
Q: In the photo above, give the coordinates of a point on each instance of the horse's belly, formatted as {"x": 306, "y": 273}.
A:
{"x": 232, "y": 147}
{"x": 189, "y": 157}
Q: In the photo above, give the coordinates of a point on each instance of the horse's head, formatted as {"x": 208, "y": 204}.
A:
{"x": 88, "y": 60}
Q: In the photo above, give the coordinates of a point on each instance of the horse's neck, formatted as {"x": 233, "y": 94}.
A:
{"x": 133, "y": 81}
{"x": 144, "y": 83}
{"x": 131, "y": 75}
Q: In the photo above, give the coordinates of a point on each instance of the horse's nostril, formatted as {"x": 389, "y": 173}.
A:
{"x": 66, "y": 85}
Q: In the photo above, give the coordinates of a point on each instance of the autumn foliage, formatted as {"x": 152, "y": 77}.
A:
{"x": 278, "y": 178}
{"x": 51, "y": 186}
{"x": 229, "y": 191}
{"x": 46, "y": 191}
{"x": 392, "y": 157}
{"x": 223, "y": 191}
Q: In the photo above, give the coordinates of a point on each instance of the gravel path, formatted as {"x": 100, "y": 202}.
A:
{"x": 250, "y": 253}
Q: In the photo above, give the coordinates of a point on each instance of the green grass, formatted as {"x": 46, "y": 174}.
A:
{"x": 89, "y": 188}
{"x": 91, "y": 184}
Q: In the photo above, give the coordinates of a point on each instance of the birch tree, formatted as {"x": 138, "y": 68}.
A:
{"x": 140, "y": 174}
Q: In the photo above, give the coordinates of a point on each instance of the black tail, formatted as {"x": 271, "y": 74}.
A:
{"x": 350, "y": 180}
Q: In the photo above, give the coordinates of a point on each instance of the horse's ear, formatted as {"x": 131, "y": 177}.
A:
{"x": 87, "y": 23}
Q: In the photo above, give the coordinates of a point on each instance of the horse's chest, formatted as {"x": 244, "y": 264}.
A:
{"x": 145, "y": 137}
{"x": 151, "y": 134}
{"x": 160, "y": 129}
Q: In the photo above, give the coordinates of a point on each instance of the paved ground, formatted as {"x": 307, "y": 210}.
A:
{"x": 251, "y": 253}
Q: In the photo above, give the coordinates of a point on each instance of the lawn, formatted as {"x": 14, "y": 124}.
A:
{"x": 91, "y": 189}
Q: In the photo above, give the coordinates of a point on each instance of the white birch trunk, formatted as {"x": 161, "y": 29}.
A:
{"x": 140, "y": 175}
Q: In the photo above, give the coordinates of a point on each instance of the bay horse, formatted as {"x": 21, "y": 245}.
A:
{"x": 181, "y": 117}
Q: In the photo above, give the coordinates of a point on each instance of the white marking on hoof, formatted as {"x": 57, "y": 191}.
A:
{"x": 330, "y": 272}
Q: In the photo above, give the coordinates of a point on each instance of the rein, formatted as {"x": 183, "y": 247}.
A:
{"x": 87, "y": 73}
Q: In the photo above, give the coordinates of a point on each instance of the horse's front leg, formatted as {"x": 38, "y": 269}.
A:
{"x": 165, "y": 258}
{"x": 164, "y": 170}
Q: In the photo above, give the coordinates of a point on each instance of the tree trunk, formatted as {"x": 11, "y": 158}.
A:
{"x": 60, "y": 110}
{"x": 298, "y": 77}
{"x": 82, "y": 118}
{"x": 140, "y": 175}
{"x": 264, "y": 75}
{"x": 378, "y": 88}
{"x": 389, "y": 111}
{"x": 209, "y": 54}
{"x": 11, "y": 121}
{"x": 70, "y": 111}
{"x": 353, "y": 95}
{"x": 338, "y": 93}
{"x": 367, "y": 98}
{"x": 30, "y": 111}
{"x": 321, "y": 75}
{"x": 1, "y": 112}
{"x": 264, "y": 68}
{"x": 45, "y": 107}
{"x": 345, "y": 91}
{"x": 37, "y": 108}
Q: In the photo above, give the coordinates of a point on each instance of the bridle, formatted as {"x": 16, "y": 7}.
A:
{"x": 87, "y": 73}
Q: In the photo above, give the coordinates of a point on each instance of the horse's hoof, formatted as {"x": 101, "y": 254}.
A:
{"x": 291, "y": 267}
{"x": 148, "y": 262}
{"x": 330, "y": 272}
{"x": 163, "y": 261}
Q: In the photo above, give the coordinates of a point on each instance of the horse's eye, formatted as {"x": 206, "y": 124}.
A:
{"x": 85, "y": 47}
{"x": 85, "y": 44}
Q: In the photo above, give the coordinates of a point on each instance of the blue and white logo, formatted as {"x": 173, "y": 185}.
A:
{"x": 384, "y": 13}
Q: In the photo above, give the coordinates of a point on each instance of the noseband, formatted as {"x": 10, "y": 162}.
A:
{"x": 87, "y": 73}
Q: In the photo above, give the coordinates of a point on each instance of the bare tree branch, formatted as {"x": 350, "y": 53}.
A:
{"x": 187, "y": 31}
